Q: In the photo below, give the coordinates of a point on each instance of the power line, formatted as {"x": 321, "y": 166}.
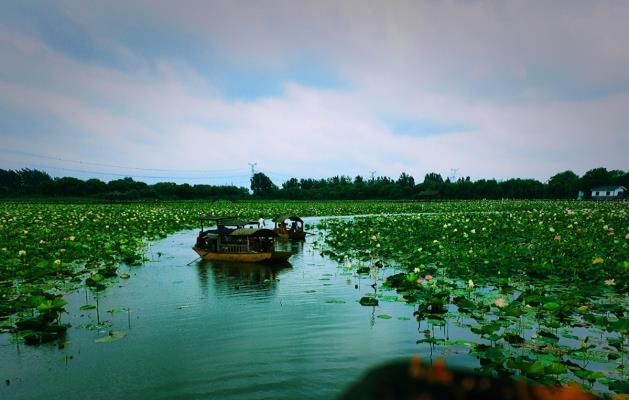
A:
{"x": 115, "y": 166}
{"x": 280, "y": 174}
{"x": 140, "y": 176}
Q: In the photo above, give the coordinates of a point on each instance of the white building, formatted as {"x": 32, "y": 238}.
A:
{"x": 608, "y": 192}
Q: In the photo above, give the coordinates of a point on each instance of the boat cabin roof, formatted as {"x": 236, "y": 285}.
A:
{"x": 214, "y": 218}
{"x": 253, "y": 232}
{"x": 225, "y": 221}
{"x": 223, "y": 231}
{"x": 237, "y": 222}
{"x": 283, "y": 218}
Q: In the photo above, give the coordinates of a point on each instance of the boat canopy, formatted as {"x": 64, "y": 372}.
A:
{"x": 285, "y": 217}
{"x": 225, "y": 221}
{"x": 218, "y": 231}
{"x": 253, "y": 232}
{"x": 214, "y": 218}
{"x": 237, "y": 222}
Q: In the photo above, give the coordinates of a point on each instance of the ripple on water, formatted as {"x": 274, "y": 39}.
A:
{"x": 218, "y": 331}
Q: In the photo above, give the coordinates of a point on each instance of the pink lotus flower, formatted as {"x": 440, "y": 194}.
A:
{"x": 501, "y": 303}
{"x": 557, "y": 238}
{"x": 428, "y": 277}
{"x": 419, "y": 280}
{"x": 627, "y": 236}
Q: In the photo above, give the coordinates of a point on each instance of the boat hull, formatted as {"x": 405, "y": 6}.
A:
{"x": 291, "y": 235}
{"x": 276, "y": 256}
{"x": 297, "y": 235}
{"x": 279, "y": 256}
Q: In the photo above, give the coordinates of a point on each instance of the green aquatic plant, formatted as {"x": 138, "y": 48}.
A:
{"x": 526, "y": 281}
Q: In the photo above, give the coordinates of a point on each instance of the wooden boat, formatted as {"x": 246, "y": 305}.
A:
{"x": 238, "y": 241}
{"x": 294, "y": 232}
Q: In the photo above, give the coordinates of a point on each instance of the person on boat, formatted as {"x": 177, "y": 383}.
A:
{"x": 293, "y": 226}
{"x": 255, "y": 244}
{"x": 200, "y": 241}
{"x": 261, "y": 222}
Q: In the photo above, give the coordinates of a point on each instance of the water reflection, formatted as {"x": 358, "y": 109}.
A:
{"x": 303, "y": 336}
{"x": 231, "y": 277}
{"x": 296, "y": 246}
{"x": 235, "y": 277}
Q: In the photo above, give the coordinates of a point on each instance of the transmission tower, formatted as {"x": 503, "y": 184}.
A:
{"x": 454, "y": 172}
{"x": 253, "y": 168}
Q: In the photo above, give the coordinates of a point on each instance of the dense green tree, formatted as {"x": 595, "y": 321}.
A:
{"x": 166, "y": 189}
{"x": 593, "y": 178}
{"x": 292, "y": 183}
{"x": 561, "y": 185}
{"x": 262, "y": 186}
{"x": 433, "y": 177}
{"x": 619, "y": 178}
{"x": 522, "y": 189}
{"x": 69, "y": 186}
{"x": 406, "y": 180}
{"x": 564, "y": 185}
{"x": 125, "y": 185}
{"x": 95, "y": 186}
{"x": 10, "y": 181}
{"x": 32, "y": 179}
{"x": 482, "y": 189}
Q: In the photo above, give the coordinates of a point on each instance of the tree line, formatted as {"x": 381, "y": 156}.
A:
{"x": 31, "y": 182}
{"x": 564, "y": 185}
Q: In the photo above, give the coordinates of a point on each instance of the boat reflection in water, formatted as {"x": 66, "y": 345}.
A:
{"x": 234, "y": 277}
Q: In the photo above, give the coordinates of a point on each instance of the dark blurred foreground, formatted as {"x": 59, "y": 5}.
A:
{"x": 411, "y": 379}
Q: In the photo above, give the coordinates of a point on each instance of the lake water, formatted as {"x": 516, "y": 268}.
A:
{"x": 212, "y": 331}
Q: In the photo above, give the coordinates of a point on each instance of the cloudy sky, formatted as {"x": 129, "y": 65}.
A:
{"x": 194, "y": 91}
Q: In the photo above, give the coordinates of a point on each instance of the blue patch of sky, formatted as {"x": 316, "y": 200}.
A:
{"x": 152, "y": 42}
{"x": 24, "y": 124}
{"x": 235, "y": 80}
{"x": 241, "y": 83}
{"x": 56, "y": 30}
{"x": 541, "y": 82}
{"x": 563, "y": 85}
{"x": 421, "y": 127}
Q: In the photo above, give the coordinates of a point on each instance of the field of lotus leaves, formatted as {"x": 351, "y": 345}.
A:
{"x": 542, "y": 288}
{"x": 47, "y": 249}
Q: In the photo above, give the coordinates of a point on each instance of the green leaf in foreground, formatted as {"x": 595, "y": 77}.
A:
{"x": 112, "y": 337}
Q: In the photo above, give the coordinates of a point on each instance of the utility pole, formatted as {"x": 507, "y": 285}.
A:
{"x": 253, "y": 168}
{"x": 372, "y": 174}
{"x": 454, "y": 172}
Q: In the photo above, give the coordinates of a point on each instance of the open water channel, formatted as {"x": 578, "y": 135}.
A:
{"x": 217, "y": 331}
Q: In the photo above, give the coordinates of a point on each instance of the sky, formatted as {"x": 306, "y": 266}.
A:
{"x": 202, "y": 91}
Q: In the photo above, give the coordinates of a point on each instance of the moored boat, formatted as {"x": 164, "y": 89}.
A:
{"x": 238, "y": 241}
{"x": 294, "y": 232}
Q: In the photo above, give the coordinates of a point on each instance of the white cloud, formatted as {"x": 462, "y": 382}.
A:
{"x": 419, "y": 60}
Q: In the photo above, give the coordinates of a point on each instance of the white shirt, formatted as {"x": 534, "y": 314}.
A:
{"x": 260, "y": 222}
